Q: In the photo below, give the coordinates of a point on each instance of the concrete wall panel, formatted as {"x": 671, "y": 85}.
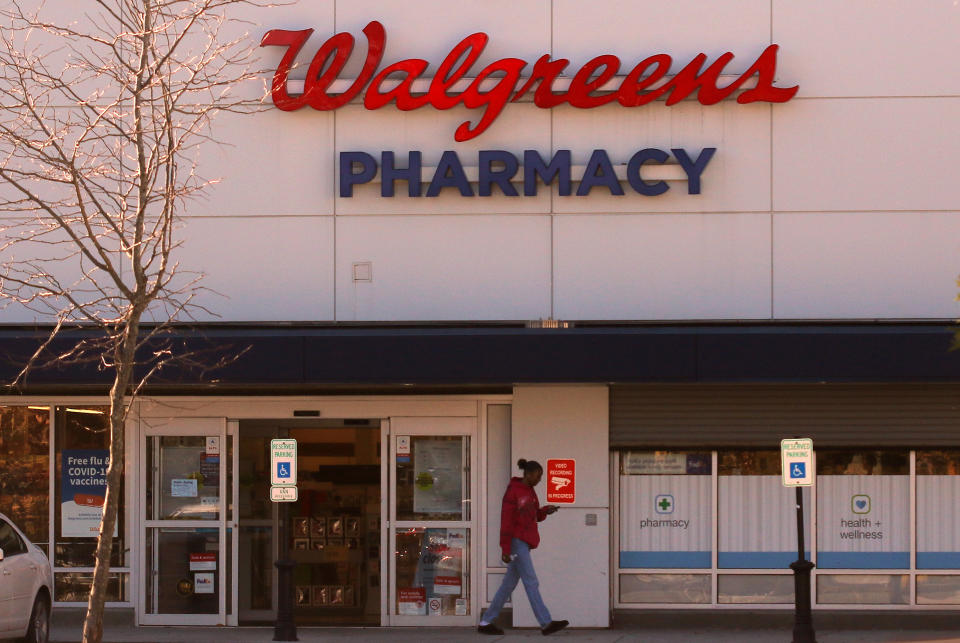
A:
{"x": 48, "y": 258}
{"x": 261, "y": 269}
{"x": 869, "y": 47}
{"x": 866, "y": 265}
{"x": 866, "y": 154}
{"x": 444, "y": 268}
{"x": 270, "y": 163}
{"x": 572, "y": 561}
{"x": 697, "y": 266}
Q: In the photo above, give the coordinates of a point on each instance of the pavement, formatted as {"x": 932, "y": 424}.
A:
{"x": 648, "y": 627}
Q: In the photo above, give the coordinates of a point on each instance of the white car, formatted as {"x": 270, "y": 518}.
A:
{"x": 26, "y": 586}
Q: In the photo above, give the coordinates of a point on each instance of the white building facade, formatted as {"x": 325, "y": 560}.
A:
{"x": 722, "y": 269}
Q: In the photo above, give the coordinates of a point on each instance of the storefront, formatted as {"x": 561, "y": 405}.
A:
{"x": 677, "y": 490}
{"x": 653, "y": 265}
{"x": 715, "y": 527}
{"x": 198, "y": 546}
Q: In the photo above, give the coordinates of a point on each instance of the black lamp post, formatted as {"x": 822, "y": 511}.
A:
{"x": 803, "y": 620}
{"x": 285, "y": 628}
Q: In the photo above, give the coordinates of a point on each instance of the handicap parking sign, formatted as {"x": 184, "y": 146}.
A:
{"x": 283, "y": 462}
{"x": 796, "y": 458}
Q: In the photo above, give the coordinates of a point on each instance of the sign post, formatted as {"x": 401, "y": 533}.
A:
{"x": 796, "y": 460}
{"x": 283, "y": 488}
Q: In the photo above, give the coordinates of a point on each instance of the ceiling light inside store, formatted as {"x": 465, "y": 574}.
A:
{"x": 89, "y": 411}
{"x": 549, "y": 323}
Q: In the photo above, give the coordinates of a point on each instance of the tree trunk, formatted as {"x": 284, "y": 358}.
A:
{"x": 125, "y": 356}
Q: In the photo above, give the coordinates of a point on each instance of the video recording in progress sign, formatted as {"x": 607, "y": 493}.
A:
{"x": 561, "y": 481}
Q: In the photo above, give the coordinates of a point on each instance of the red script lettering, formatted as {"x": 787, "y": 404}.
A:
{"x": 584, "y": 91}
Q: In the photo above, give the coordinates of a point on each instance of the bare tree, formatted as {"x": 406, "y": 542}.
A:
{"x": 102, "y": 109}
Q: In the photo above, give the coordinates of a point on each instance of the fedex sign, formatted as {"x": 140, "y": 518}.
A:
{"x": 501, "y": 82}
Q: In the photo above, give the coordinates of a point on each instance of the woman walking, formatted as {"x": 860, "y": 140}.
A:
{"x": 518, "y": 535}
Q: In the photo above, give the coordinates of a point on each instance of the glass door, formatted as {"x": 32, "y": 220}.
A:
{"x": 187, "y": 546}
{"x": 257, "y": 526}
{"x": 432, "y": 522}
{"x": 335, "y": 533}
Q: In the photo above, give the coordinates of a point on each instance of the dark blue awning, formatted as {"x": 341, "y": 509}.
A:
{"x": 303, "y": 359}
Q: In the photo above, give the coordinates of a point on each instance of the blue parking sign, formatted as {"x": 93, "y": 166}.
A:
{"x": 798, "y": 470}
{"x": 283, "y": 469}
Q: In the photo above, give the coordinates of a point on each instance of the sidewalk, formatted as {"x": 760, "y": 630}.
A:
{"x": 661, "y": 627}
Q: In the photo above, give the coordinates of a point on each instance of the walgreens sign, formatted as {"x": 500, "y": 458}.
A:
{"x": 502, "y": 81}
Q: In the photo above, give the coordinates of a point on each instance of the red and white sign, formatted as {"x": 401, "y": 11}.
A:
{"x": 561, "y": 481}
{"x": 203, "y": 562}
{"x": 411, "y": 601}
{"x": 446, "y": 585}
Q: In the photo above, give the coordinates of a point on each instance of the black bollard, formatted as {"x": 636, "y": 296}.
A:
{"x": 803, "y": 619}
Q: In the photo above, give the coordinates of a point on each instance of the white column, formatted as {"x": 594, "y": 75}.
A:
{"x": 573, "y": 560}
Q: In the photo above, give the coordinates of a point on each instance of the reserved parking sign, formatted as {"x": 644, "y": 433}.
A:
{"x": 283, "y": 470}
{"x": 796, "y": 458}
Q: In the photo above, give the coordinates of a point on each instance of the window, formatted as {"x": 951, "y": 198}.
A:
{"x": 938, "y": 489}
{"x": 756, "y": 515}
{"x": 666, "y": 509}
{"x": 433, "y": 483}
{"x": 863, "y": 510}
{"x": 10, "y": 541}
{"x": 886, "y": 528}
{"x": 757, "y": 527}
{"x": 81, "y": 458}
{"x": 25, "y": 469}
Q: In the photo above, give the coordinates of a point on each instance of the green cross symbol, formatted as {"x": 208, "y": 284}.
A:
{"x": 664, "y": 504}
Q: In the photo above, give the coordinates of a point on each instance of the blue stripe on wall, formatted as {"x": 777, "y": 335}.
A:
{"x": 665, "y": 559}
{"x": 938, "y": 560}
{"x": 782, "y": 560}
{"x": 863, "y": 560}
{"x": 757, "y": 559}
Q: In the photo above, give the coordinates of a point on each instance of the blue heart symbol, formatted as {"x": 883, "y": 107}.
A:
{"x": 861, "y": 504}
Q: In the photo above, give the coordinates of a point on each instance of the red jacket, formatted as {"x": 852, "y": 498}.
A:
{"x": 520, "y": 514}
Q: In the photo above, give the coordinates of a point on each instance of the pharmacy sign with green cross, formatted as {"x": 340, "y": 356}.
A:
{"x": 663, "y": 503}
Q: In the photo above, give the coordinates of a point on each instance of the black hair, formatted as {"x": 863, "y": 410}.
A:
{"x": 529, "y": 465}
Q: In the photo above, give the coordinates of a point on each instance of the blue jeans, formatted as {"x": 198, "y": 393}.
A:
{"x": 520, "y": 568}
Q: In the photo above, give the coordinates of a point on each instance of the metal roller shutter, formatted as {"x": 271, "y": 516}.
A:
{"x": 839, "y": 415}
